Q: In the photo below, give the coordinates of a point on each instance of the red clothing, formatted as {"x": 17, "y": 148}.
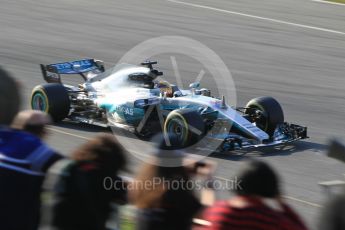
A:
{"x": 255, "y": 216}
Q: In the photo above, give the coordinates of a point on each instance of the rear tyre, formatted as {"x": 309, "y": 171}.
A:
{"x": 266, "y": 112}
{"x": 183, "y": 127}
{"x": 51, "y": 98}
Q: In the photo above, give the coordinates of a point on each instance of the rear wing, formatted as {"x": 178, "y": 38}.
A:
{"x": 51, "y": 73}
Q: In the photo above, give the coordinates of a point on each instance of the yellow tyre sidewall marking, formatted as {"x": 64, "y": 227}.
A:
{"x": 40, "y": 90}
{"x": 173, "y": 113}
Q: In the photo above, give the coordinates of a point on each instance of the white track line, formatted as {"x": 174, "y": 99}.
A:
{"x": 302, "y": 201}
{"x": 259, "y": 17}
{"x": 218, "y": 177}
{"x": 286, "y": 197}
{"x": 67, "y": 133}
{"x": 328, "y": 2}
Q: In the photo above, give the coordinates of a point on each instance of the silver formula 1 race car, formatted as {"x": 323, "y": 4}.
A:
{"x": 131, "y": 97}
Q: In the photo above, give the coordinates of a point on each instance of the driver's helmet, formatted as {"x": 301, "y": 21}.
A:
{"x": 165, "y": 87}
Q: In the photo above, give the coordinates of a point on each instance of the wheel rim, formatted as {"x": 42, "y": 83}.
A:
{"x": 262, "y": 122}
{"x": 177, "y": 131}
{"x": 39, "y": 102}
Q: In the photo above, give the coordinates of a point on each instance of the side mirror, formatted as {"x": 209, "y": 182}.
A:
{"x": 163, "y": 95}
{"x": 100, "y": 65}
{"x": 194, "y": 85}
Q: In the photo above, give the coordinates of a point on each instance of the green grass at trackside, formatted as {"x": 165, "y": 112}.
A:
{"x": 338, "y": 1}
{"x": 127, "y": 217}
{"x": 127, "y": 224}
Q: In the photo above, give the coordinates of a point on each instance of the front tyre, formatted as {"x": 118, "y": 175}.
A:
{"x": 266, "y": 112}
{"x": 183, "y": 127}
{"x": 51, "y": 98}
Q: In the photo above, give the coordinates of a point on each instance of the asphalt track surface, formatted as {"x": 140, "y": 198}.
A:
{"x": 293, "y": 50}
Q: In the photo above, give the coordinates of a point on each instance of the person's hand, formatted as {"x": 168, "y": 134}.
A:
{"x": 205, "y": 168}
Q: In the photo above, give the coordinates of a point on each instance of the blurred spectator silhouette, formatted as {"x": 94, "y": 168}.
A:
{"x": 83, "y": 195}
{"x": 9, "y": 98}
{"x": 257, "y": 204}
{"x": 162, "y": 196}
{"x": 24, "y": 160}
{"x": 333, "y": 213}
{"x": 32, "y": 121}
